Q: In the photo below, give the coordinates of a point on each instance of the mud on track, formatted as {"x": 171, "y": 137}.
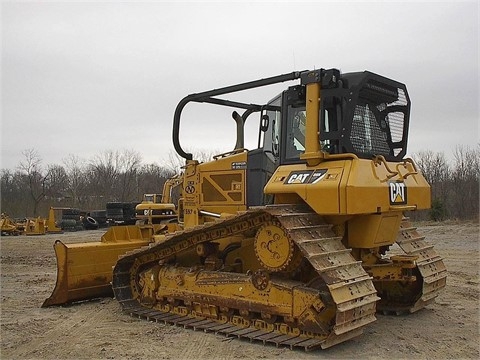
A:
{"x": 97, "y": 329}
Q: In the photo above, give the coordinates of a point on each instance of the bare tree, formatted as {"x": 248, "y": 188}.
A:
{"x": 36, "y": 181}
{"x": 103, "y": 175}
{"x": 129, "y": 164}
{"x": 455, "y": 189}
{"x": 76, "y": 182}
{"x": 14, "y": 195}
{"x": 175, "y": 162}
{"x": 152, "y": 177}
{"x": 436, "y": 171}
{"x": 465, "y": 178}
{"x": 57, "y": 183}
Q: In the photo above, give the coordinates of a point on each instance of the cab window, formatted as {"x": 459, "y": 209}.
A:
{"x": 295, "y": 132}
{"x": 271, "y": 136}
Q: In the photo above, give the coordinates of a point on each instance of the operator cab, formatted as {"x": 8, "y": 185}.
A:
{"x": 359, "y": 114}
{"x": 364, "y": 114}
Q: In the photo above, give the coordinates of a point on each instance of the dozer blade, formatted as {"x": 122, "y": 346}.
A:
{"x": 84, "y": 270}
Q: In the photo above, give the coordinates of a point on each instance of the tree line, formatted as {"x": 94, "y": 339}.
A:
{"x": 454, "y": 185}
{"x": 32, "y": 188}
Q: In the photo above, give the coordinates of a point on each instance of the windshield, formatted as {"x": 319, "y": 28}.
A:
{"x": 295, "y": 136}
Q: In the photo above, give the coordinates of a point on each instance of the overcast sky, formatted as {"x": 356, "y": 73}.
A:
{"x": 83, "y": 78}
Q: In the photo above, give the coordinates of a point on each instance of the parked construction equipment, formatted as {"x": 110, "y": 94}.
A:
{"x": 159, "y": 208}
{"x": 35, "y": 226}
{"x": 287, "y": 243}
{"x": 152, "y": 210}
{"x": 10, "y": 227}
{"x": 52, "y": 227}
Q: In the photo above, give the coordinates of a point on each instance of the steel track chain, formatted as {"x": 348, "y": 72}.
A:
{"x": 350, "y": 287}
{"x": 429, "y": 263}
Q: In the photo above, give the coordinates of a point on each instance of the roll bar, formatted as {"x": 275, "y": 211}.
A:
{"x": 208, "y": 97}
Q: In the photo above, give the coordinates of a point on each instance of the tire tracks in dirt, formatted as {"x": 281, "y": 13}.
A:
{"x": 73, "y": 328}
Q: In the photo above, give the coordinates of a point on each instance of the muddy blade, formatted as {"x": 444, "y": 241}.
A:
{"x": 84, "y": 270}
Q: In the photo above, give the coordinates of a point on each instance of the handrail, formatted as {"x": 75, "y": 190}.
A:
{"x": 233, "y": 152}
{"x": 207, "y": 96}
{"x": 411, "y": 162}
{"x": 379, "y": 159}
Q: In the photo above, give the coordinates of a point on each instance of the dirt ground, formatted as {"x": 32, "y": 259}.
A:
{"x": 99, "y": 330}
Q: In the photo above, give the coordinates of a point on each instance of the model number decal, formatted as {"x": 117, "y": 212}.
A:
{"x": 398, "y": 193}
{"x": 240, "y": 165}
{"x": 317, "y": 176}
{"x": 305, "y": 177}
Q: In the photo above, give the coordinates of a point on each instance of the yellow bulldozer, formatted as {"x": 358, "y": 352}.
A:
{"x": 289, "y": 243}
{"x": 10, "y": 227}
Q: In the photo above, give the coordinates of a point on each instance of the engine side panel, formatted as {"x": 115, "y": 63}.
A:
{"x": 353, "y": 186}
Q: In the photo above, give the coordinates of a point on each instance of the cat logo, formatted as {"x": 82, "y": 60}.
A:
{"x": 298, "y": 177}
{"x": 306, "y": 177}
{"x": 398, "y": 193}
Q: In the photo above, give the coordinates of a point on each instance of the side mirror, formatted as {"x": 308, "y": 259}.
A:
{"x": 264, "y": 122}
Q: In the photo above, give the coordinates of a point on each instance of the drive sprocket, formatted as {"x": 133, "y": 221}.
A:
{"x": 273, "y": 247}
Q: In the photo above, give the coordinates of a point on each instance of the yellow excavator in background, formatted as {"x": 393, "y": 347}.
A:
{"x": 158, "y": 209}
{"x": 287, "y": 243}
